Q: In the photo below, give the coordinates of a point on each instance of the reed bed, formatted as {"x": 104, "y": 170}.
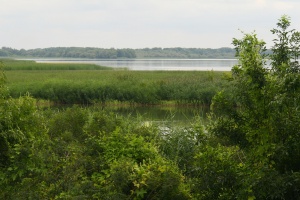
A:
{"x": 102, "y": 86}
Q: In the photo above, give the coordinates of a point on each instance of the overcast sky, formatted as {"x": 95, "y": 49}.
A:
{"x": 32, "y": 24}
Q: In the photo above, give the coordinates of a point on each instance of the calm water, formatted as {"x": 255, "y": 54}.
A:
{"x": 156, "y": 64}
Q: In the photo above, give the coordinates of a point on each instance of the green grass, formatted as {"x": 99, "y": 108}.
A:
{"x": 10, "y": 64}
{"x": 141, "y": 87}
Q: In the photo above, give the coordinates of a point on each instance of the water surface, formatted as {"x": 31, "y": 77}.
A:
{"x": 155, "y": 64}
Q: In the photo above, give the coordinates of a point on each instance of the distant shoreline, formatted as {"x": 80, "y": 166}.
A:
{"x": 100, "y": 53}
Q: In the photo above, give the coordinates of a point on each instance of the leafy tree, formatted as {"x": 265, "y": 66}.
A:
{"x": 286, "y": 47}
{"x": 260, "y": 114}
{"x": 23, "y": 140}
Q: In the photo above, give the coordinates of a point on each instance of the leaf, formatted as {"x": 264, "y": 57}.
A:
{"x": 251, "y": 198}
{"x": 136, "y": 184}
{"x": 141, "y": 193}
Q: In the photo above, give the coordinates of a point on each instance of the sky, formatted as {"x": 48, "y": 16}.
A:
{"x": 31, "y": 24}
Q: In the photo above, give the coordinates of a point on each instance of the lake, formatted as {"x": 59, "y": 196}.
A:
{"x": 155, "y": 64}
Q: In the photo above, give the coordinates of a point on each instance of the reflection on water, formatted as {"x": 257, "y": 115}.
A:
{"x": 173, "y": 64}
{"x": 155, "y": 64}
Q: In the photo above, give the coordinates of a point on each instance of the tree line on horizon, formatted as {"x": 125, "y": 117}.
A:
{"x": 112, "y": 53}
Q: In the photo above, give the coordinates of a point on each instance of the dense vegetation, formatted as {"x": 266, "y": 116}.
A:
{"x": 102, "y": 86}
{"x": 250, "y": 150}
{"x": 99, "y": 53}
{"x": 265, "y": 127}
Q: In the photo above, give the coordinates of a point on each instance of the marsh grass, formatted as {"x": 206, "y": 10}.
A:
{"x": 10, "y": 64}
{"x": 89, "y": 86}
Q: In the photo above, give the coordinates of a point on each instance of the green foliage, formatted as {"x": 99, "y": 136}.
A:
{"x": 286, "y": 47}
{"x": 83, "y": 154}
{"x": 216, "y": 172}
{"x": 3, "y": 89}
{"x": 69, "y": 123}
{"x": 181, "y": 145}
{"x": 23, "y": 139}
{"x": 156, "y": 179}
{"x": 259, "y": 113}
{"x": 135, "y": 169}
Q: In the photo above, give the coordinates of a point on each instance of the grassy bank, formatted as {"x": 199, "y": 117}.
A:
{"x": 10, "y": 64}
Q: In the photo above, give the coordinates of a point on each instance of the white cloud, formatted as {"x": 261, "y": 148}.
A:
{"x": 280, "y": 5}
{"x": 136, "y": 23}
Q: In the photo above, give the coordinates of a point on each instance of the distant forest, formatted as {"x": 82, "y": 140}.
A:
{"x": 100, "y": 53}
